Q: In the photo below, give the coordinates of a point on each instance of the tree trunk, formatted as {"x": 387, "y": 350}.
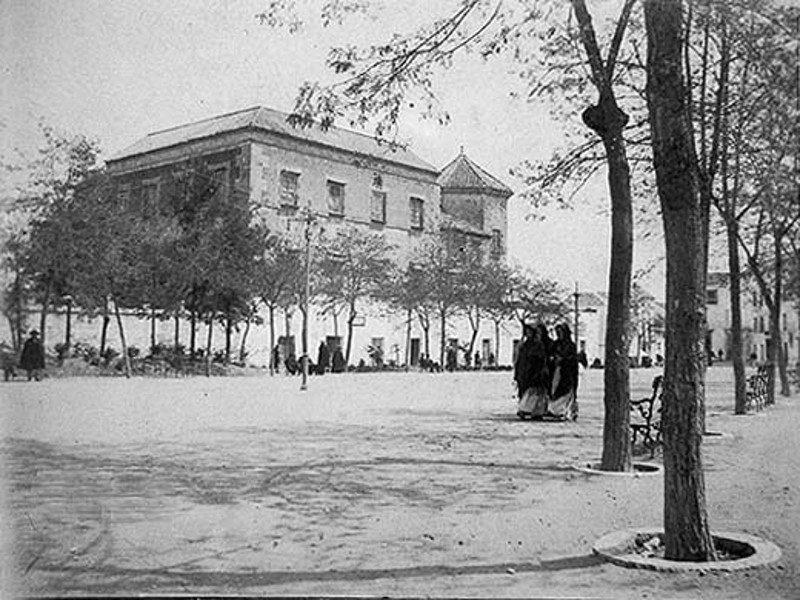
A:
{"x": 687, "y": 535}
{"x": 68, "y": 333}
{"x": 737, "y": 343}
{"x": 192, "y": 333}
{"x": 409, "y": 317}
{"x": 776, "y": 332}
{"x": 350, "y": 318}
{"x": 228, "y": 338}
{"x": 243, "y": 344}
{"x": 177, "y": 340}
{"x": 272, "y": 362}
{"x": 774, "y": 341}
{"x": 43, "y": 317}
{"x": 475, "y": 327}
{"x": 208, "y": 344}
{"x": 104, "y": 328}
{"x": 496, "y": 342}
{"x": 18, "y": 324}
{"x": 608, "y": 121}
{"x": 442, "y": 339}
{"x": 126, "y": 360}
{"x": 426, "y": 333}
{"x": 152, "y": 329}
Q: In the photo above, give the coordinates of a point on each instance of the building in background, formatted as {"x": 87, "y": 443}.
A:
{"x": 344, "y": 179}
{"x": 755, "y": 322}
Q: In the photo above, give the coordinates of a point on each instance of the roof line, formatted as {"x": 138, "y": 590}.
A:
{"x": 228, "y": 114}
{"x": 261, "y": 107}
{"x": 251, "y": 128}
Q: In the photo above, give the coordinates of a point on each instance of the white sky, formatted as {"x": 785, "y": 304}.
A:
{"x": 119, "y": 69}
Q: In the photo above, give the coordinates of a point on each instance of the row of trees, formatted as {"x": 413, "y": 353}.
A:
{"x": 203, "y": 254}
{"x": 707, "y": 116}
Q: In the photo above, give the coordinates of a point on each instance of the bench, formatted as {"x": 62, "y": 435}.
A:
{"x": 757, "y": 388}
{"x": 648, "y": 418}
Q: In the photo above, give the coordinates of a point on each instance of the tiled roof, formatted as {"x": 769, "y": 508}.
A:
{"x": 259, "y": 117}
{"x": 462, "y": 173}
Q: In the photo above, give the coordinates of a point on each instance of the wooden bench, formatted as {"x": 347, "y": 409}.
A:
{"x": 757, "y": 388}
{"x": 648, "y": 421}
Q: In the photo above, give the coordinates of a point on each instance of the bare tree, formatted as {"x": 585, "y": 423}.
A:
{"x": 687, "y": 534}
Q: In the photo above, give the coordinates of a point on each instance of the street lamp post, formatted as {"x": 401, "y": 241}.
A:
{"x": 576, "y": 295}
{"x": 306, "y": 294}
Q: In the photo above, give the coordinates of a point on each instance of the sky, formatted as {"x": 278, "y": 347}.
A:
{"x": 118, "y": 69}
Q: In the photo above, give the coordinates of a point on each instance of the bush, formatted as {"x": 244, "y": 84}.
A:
{"x": 109, "y": 355}
{"x": 62, "y": 351}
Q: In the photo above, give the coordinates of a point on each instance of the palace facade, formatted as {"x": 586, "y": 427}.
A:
{"x": 344, "y": 179}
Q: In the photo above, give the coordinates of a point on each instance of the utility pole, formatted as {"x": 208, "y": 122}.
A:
{"x": 306, "y": 293}
{"x": 576, "y": 295}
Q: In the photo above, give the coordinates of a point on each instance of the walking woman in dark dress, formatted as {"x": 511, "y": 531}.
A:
{"x": 532, "y": 372}
{"x": 564, "y": 402}
{"x": 32, "y": 358}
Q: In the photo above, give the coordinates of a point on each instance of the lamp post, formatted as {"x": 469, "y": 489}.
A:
{"x": 576, "y": 295}
{"x": 306, "y": 293}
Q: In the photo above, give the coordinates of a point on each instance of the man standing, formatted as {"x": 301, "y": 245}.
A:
{"x": 32, "y": 359}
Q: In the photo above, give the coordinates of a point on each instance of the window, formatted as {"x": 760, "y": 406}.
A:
{"x": 417, "y": 209}
{"x": 124, "y": 193}
{"x": 149, "y": 195}
{"x": 497, "y": 241}
{"x": 290, "y": 184}
{"x": 219, "y": 179}
{"x": 336, "y": 198}
{"x": 377, "y": 207}
{"x": 712, "y": 297}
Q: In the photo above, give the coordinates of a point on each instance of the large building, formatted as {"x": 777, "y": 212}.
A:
{"x": 755, "y": 322}
{"x": 343, "y": 177}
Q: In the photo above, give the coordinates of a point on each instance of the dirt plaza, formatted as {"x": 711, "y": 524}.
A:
{"x": 378, "y": 484}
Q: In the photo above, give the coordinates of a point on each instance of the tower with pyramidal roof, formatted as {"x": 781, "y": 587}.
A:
{"x": 474, "y": 203}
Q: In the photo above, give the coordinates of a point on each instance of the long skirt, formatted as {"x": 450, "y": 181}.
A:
{"x": 564, "y": 406}
{"x": 533, "y": 403}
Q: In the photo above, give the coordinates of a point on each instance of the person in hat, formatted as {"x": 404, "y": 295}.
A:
{"x": 32, "y": 358}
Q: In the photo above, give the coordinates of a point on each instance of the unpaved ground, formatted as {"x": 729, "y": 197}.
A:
{"x": 390, "y": 484}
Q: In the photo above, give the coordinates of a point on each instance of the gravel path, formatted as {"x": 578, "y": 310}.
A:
{"x": 371, "y": 484}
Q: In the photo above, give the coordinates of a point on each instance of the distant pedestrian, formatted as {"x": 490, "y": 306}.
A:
{"x": 32, "y": 358}
{"x": 532, "y": 372}
{"x": 323, "y": 358}
{"x": 451, "y": 359}
{"x": 477, "y": 360}
{"x": 9, "y": 360}
{"x": 337, "y": 361}
{"x": 276, "y": 358}
{"x": 564, "y": 402}
{"x": 292, "y": 367}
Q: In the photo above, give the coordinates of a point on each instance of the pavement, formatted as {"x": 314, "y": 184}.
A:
{"x": 390, "y": 484}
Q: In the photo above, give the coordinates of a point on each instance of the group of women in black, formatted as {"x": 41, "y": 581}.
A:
{"x": 546, "y": 374}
